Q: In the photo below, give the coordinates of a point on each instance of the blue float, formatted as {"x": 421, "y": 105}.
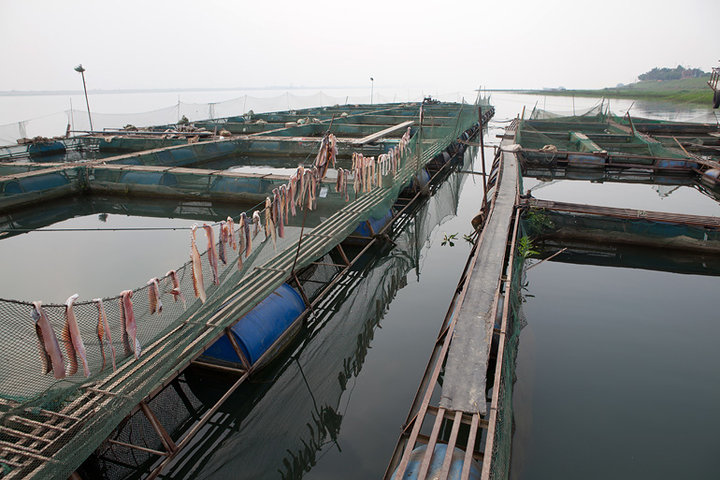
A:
{"x": 377, "y": 224}
{"x": 258, "y": 330}
{"x": 438, "y": 457}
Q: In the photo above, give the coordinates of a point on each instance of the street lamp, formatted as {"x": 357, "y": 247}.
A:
{"x": 372, "y": 84}
{"x": 81, "y": 71}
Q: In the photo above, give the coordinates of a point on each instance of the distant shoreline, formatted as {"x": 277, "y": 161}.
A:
{"x": 689, "y": 90}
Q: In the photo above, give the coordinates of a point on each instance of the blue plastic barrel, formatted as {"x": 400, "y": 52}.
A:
{"x": 46, "y": 148}
{"x": 261, "y": 327}
{"x": 438, "y": 457}
{"x": 377, "y": 224}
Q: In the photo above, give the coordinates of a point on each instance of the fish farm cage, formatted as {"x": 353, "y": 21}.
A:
{"x": 333, "y": 179}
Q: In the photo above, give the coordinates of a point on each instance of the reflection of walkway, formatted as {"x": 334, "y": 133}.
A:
{"x": 665, "y": 190}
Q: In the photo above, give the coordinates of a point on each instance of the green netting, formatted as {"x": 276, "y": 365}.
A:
{"x": 502, "y": 442}
{"x": 171, "y": 339}
{"x": 606, "y": 229}
{"x": 593, "y": 131}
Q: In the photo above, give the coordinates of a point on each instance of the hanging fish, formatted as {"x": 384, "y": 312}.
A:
{"x": 345, "y": 186}
{"x": 301, "y": 185}
{"x": 212, "y": 253}
{"x": 197, "y": 275}
{"x": 284, "y": 203}
{"x": 257, "y": 222}
{"x": 292, "y": 192}
{"x": 333, "y": 149}
{"x": 73, "y": 341}
{"x": 245, "y": 237}
{"x": 304, "y": 184}
{"x": 176, "y": 292}
{"x": 315, "y": 178}
{"x": 129, "y": 327}
{"x": 103, "y": 333}
{"x": 50, "y": 352}
{"x": 241, "y": 240}
{"x": 154, "y": 296}
{"x": 379, "y": 169}
{"x": 356, "y": 182}
{"x": 222, "y": 243}
{"x": 274, "y": 210}
{"x": 269, "y": 225}
{"x": 279, "y": 214}
{"x": 232, "y": 238}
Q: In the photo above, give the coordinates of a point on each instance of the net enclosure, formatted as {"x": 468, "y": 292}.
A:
{"x": 126, "y": 347}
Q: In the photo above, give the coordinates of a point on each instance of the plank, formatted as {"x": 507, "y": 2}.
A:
{"x": 629, "y": 213}
{"x": 382, "y": 133}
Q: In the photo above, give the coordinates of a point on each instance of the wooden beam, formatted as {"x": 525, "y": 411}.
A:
{"x": 626, "y": 213}
{"x": 382, "y": 133}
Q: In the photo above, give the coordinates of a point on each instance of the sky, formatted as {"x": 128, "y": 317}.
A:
{"x": 439, "y": 45}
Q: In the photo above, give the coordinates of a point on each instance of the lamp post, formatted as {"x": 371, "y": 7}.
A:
{"x": 81, "y": 71}
{"x": 372, "y": 84}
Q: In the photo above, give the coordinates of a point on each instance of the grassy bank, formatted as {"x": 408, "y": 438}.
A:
{"x": 689, "y": 90}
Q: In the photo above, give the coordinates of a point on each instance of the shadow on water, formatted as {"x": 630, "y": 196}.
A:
{"x": 280, "y": 423}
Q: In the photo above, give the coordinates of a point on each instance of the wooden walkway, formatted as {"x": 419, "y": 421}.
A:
{"x": 462, "y": 398}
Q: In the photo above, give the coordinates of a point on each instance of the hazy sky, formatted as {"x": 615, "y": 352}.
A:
{"x": 442, "y": 45}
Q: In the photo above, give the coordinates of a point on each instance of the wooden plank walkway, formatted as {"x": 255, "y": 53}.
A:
{"x": 464, "y": 380}
{"x": 465, "y": 426}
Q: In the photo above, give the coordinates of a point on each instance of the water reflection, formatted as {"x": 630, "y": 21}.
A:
{"x": 605, "y": 361}
{"x": 677, "y": 198}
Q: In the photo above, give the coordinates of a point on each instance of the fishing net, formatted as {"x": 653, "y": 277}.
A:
{"x": 502, "y": 442}
{"x": 595, "y": 132}
{"x": 42, "y": 415}
{"x": 55, "y": 124}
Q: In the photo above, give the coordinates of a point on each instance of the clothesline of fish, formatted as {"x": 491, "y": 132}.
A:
{"x": 300, "y": 191}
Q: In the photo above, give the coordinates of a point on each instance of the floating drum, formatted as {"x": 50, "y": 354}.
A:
{"x": 258, "y": 330}
{"x": 46, "y": 148}
{"x": 376, "y": 224}
{"x": 711, "y": 177}
{"x": 438, "y": 456}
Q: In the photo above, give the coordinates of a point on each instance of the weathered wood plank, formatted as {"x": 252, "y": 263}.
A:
{"x": 378, "y": 135}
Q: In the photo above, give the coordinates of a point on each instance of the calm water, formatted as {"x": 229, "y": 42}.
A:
{"x": 617, "y": 375}
{"x": 395, "y": 315}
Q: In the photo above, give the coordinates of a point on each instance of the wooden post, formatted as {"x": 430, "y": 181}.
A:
{"x": 482, "y": 156}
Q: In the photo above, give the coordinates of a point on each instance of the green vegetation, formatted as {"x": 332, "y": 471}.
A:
{"x": 449, "y": 239}
{"x": 686, "y": 90}
{"x": 676, "y": 73}
{"x": 537, "y": 222}
{"x": 526, "y": 247}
